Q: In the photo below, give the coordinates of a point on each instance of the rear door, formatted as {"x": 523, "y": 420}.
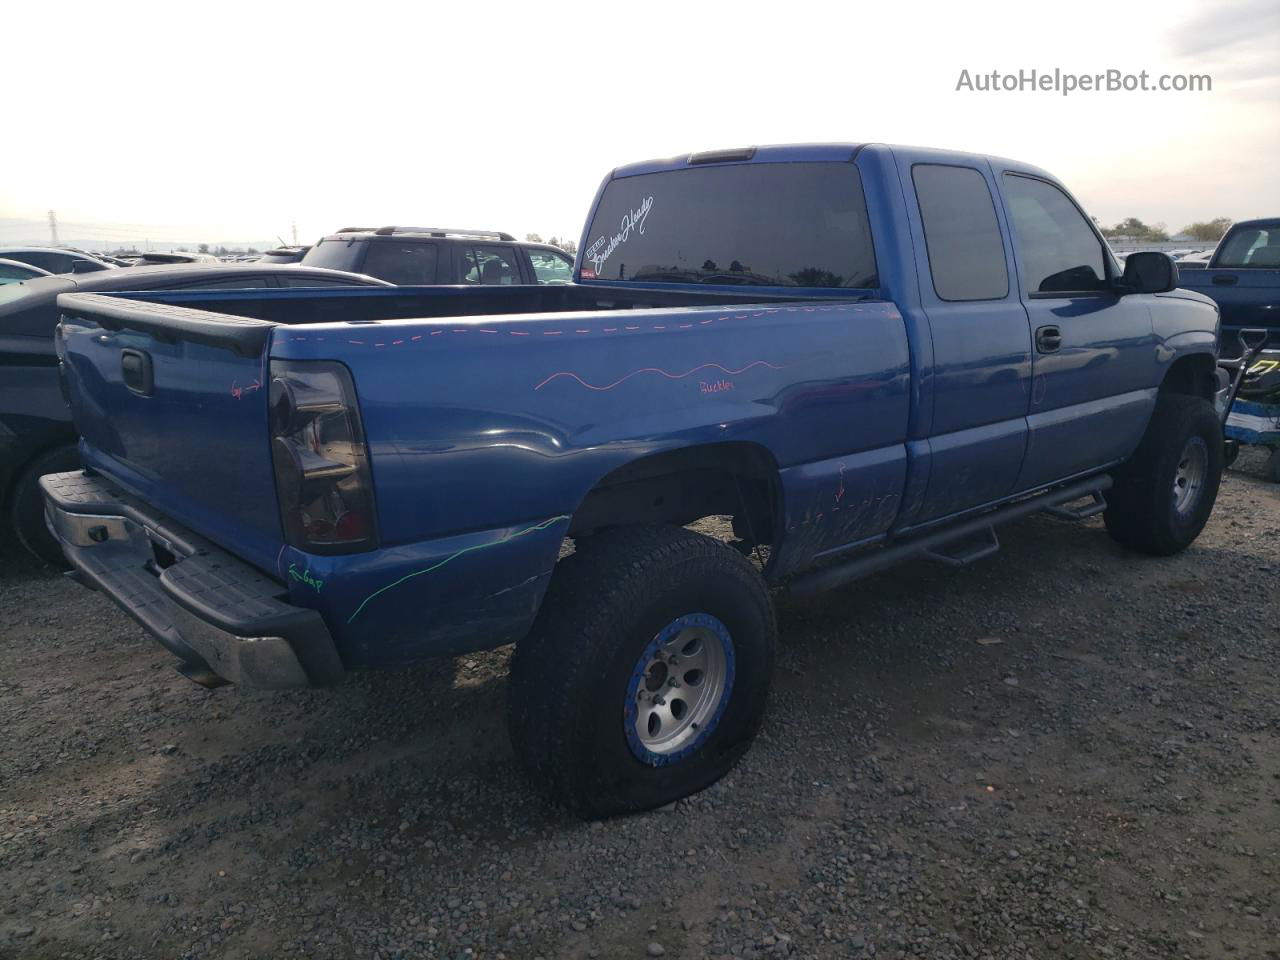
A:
{"x": 1094, "y": 371}
{"x": 981, "y": 344}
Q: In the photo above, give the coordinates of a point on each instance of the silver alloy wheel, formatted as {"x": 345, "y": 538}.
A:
{"x": 683, "y": 683}
{"x": 1193, "y": 467}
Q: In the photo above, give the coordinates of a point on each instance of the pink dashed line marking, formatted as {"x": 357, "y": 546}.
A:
{"x": 519, "y": 333}
{"x": 488, "y": 331}
{"x": 610, "y": 329}
{"x": 706, "y": 321}
{"x": 582, "y": 331}
{"x": 379, "y": 344}
{"x": 686, "y": 326}
{"x": 461, "y": 330}
{"x": 659, "y": 328}
{"x": 299, "y": 338}
{"x": 418, "y": 337}
{"x": 630, "y": 328}
{"x": 436, "y": 333}
{"x": 670, "y": 376}
{"x": 552, "y": 333}
{"x": 359, "y": 343}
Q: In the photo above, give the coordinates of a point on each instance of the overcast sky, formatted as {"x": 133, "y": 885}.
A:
{"x": 223, "y": 121}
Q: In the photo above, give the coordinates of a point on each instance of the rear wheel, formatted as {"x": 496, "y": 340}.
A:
{"x": 1163, "y": 496}
{"x": 646, "y": 674}
{"x": 27, "y": 510}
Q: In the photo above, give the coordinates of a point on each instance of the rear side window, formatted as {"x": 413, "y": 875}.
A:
{"x": 1251, "y": 247}
{"x": 758, "y": 224}
{"x": 1059, "y": 251}
{"x": 402, "y": 262}
{"x": 961, "y": 233}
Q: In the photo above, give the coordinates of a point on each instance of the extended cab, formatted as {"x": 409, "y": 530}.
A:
{"x": 858, "y": 354}
{"x": 1243, "y": 277}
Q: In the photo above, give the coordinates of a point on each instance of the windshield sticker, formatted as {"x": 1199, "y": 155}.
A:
{"x": 602, "y": 249}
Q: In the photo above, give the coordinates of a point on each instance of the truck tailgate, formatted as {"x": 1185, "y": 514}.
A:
{"x": 172, "y": 404}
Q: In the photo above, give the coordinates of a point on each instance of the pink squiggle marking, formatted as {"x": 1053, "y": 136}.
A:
{"x": 658, "y": 370}
{"x": 238, "y": 391}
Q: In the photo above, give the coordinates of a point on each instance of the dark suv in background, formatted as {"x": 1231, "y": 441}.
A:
{"x": 416, "y": 256}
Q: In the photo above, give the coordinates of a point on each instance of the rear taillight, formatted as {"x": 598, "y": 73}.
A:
{"x": 321, "y": 462}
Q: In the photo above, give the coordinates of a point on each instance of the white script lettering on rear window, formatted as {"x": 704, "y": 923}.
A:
{"x": 602, "y": 249}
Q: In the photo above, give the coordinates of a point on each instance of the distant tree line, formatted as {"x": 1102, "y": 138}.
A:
{"x": 564, "y": 243}
{"x": 1210, "y": 231}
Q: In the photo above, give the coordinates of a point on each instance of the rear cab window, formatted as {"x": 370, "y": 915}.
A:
{"x": 751, "y": 224}
{"x": 1251, "y": 247}
{"x": 961, "y": 233}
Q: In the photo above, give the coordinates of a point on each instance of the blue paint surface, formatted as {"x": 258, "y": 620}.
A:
{"x": 491, "y": 413}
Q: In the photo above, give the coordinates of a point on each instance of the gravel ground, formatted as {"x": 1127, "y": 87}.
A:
{"x": 1064, "y": 751}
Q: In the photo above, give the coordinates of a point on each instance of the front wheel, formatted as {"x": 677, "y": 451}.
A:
{"x": 645, "y": 676}
{"x": 1163, "y": 496}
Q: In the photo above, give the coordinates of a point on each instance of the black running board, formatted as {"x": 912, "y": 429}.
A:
{"x": 934, "y": 544}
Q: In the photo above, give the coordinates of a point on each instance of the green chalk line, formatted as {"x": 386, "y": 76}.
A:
{"x": 436, "y": 566}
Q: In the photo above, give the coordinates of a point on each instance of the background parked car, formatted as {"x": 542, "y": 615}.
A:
{"x": 160, "y": 259}
{"x": 421, "y": 256}
{"x": 285, "y": 254}
{"x": 36, "y": 435}
{"x": 11, "y": 271}
{"x": 55, "y": 259}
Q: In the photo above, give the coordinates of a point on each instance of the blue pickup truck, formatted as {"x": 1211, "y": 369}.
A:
{"x": 858, "y": 353}
{"x": 1243, "y": 278}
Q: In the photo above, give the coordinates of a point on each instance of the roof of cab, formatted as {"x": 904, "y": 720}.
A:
{"x": 817, "y": 152}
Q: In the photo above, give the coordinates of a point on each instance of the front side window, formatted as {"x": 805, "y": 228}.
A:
{"x": 961, "y": 233}
{"x": 551, "y": 267}
{"x": 407, "y": 263}
{"x": 1059, "y": 251}
{"x": 1251, "y": 247}
{"x": 750, "y": 224}
{"x": 491, "y": 266}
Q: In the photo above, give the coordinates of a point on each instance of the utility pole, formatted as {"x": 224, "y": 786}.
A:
{"x": 53, "y": 229}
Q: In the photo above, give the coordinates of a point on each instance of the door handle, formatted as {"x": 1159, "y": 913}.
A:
{"x": 135, "y": 370}
{"x": 1225, "y": 279}
{"x": 1048, "y": 339}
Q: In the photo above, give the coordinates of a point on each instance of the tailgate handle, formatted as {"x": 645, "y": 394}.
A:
{"x": 1225, "y": 278}
{"x": 135, "y": 367}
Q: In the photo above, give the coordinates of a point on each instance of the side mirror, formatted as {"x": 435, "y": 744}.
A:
{"x": 1149, "y": 272}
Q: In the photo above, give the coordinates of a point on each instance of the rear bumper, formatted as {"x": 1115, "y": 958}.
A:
{"x": 223, "y": 619}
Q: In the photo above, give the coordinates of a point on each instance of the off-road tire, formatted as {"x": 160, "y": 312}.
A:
{"x": 1142, "y": 507}
{"x": 607, "y": 604}
{"x": 26, "y": 512}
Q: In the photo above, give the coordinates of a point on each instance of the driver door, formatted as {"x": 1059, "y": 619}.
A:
{"x": 1094, "y": 371}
